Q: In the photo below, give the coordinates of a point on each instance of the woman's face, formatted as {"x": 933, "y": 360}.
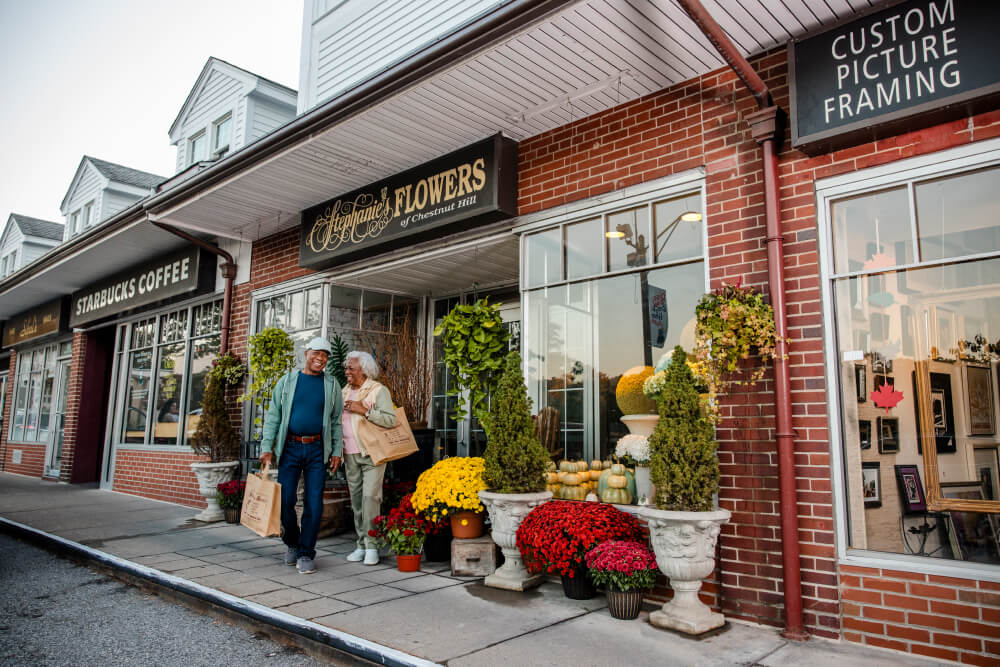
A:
{"x": 352, "y": 369}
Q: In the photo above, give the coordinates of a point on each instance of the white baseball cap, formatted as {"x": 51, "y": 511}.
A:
{"x": 320, "y": 344}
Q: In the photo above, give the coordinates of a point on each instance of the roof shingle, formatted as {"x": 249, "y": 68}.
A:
{"x": 122, "y": 174}
{"x": 36, "y": 227}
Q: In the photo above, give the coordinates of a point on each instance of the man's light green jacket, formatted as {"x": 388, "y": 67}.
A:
{"x": 276, "y": 421}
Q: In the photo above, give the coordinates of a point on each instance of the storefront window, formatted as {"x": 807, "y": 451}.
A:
{"x": 35, "y": 384}
{"x": 582, "y": 335}
{"x": 933, "y": 327}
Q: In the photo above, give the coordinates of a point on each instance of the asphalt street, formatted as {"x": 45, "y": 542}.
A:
{"x": 55, "y": 612}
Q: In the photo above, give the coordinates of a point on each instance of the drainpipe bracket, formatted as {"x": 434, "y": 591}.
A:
{"x": 768, "y": 123}
{"x": 228, "y": 270}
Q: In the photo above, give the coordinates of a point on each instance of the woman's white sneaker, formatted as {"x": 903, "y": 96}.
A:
{"x": 371, "y": 556}
{"x": 357, "y": 556}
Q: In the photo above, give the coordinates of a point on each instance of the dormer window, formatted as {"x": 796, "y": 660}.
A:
{"x": 222, "y": 132}
{"x": 74, "y": 223}
{"x": 198, "y": 147}
{"x": 88, "y": 213}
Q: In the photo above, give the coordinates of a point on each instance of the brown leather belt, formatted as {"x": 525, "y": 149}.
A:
{"x": 305, "y": 439}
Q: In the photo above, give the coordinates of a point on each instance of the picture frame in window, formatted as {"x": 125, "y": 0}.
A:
{"x": 987, "y": 462}
{"x": 865, "y": 433}
{"x": 911, "y": 490}
{"x": 871, "y": 483}
{"x": 943, "y": 413}
{"x": 888, "y": 435}
{"x": 979, "y": 396}
{"x": 861, "y": 382}
{"x": 975, "y": 534}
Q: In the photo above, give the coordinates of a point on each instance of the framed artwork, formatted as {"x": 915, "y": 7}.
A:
{"x": 911, "y": 491}
{"x": 942, "y": 412}
{"x": 974, "y": 534}
{"x": 871, "y": 483}
{"x": 888, "y": 435}
{"x": 865, "y": 433}
{"x": 861, "y": 382}
{"x": 988, "y": 471}
{"x": 979, "y": 386}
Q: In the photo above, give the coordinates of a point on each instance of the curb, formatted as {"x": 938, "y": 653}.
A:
{"x": 340, "y": 641}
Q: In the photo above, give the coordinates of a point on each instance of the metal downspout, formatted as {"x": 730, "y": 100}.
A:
{"x": 228, "y": 269}
{"x": 767, "y": 129}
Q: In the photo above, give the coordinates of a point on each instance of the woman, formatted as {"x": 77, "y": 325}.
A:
{"x": 364, "y": 398}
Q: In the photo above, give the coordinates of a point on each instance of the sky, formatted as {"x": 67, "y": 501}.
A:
{"x": 106, "y": 78}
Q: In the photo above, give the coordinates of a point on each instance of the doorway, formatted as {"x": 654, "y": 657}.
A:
{"x": 59, "y": 392}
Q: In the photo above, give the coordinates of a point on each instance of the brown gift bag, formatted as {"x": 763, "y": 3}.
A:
{"x": 388, "y": 444}
{"x": 261, "y": 511}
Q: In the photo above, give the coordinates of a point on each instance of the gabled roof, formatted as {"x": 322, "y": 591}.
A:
{"x": 35, "y": 227}
{"x": 115, "y": 173}
{"x": 251, "y": 80}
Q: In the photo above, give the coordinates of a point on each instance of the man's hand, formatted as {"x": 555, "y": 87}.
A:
{"x": 266, "y": 458}
{"x": 334, "y": 463}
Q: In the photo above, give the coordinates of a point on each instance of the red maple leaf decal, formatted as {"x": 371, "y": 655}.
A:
{"x": 886, "y": 397}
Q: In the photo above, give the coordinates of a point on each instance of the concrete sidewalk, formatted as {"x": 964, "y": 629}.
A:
{"x": 378, "y": 613}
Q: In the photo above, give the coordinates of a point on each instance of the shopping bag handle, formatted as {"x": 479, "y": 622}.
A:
{"x": 266, "y": 468}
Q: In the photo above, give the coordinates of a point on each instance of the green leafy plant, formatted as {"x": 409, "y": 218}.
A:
{"x": 271, "y": 355}
{"x": 474, "y": 346}
{"x": 515, "y": 459}
{"x": 683, "y": 465}
{"x": 335, "y": 366}
{"x": 214, "y": 436}
{"x": 731, "y": 323}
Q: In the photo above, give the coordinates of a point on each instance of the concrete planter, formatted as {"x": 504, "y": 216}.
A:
{"x": 684, "y": 544}
{"x": 506, "y": 512}
{"x": 210, "y": 475}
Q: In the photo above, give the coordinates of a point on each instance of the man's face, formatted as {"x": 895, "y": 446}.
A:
{"x": 316, "y": 361}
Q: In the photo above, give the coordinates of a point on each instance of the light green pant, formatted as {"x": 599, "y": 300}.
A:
{"x": 364, "y": 480}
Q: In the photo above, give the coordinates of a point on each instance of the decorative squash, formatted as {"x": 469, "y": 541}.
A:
{"x": 551, "y": 466}
{"x": 595, "y": 474}
{"x": 616, "y": 496}
{"x": 617, "y": 482}
{"x": 566, "y": 466}
{"x": 552, "y": 477}
{"x": 571, "y": 479}
{"x": 596, "y": 464}
{"x": 573, "y": 493}
{"x": 618, "y": 469}
{"x": 554, "y": 488}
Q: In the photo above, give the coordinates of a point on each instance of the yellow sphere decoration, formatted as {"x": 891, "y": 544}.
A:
{"x": 628, "y": 393}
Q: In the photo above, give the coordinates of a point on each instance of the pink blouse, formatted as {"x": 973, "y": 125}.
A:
{"x": 350, "y": 439}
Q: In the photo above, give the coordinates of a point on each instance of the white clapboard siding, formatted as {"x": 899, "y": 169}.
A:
{"x": 13, "y": 240}
{"x": 358, "y": 39}
{"x": 32, "y": 251}
{"x": 115, "y": 201}
{"x": 266, "y": 117}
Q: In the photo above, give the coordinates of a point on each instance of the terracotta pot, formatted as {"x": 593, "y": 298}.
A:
{"x": 466, "y": 525}
{"x": 624, "y": 604}
{"x": 408, "y": 562}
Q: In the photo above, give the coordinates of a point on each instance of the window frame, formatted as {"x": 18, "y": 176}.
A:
{"x": 200, "y": 135}
{"x": 217, "y": 150}
{"x": 86, "y": 218}
{"x": 907, "y": 172}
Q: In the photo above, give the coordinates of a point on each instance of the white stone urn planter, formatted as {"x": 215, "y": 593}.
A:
{"x": 210, "y": 475}
{"x": 506, "y": 512}
{"x": 640, "y": 424}
{"x": 684, "y": 544}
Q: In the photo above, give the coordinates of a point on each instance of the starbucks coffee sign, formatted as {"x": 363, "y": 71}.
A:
{"x": 915, "y": 64}
{"x": 472, "y": 186}
{"x": 184, "y": 273}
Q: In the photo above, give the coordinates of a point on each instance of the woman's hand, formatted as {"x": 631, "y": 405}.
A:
{"x": 357, "y": 407}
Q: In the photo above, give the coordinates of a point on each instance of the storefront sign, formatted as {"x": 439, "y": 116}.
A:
{"x": 46, "y": 319}
{"x": 915, "y": 64}
{"x": 473, "y": 185}
{"x": 189, "y": 271}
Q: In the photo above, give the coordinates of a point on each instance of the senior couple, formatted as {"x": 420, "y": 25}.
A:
{"x": 312, "y": 425}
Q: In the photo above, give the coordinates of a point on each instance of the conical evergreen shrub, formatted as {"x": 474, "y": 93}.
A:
{"x": 683, "y": 464}
{"x": 214, "y": 436}
{"x": 515, "y": 459}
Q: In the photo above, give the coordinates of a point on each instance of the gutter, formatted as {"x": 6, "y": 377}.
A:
{"x": 767, "y": 128}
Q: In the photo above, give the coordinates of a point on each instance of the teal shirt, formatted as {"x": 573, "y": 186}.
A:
{"x": 307, "y": 406}
{"x": 275, "y": 430}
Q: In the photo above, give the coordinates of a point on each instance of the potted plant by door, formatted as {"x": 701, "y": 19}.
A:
{"x": 214, "y": 436}
{"x": 449, "y": 490}
{"x": 403, "y": 530}
{"x": 626, "y": 570}
{"x": 683, "y": 522}
{"x": 230, "y": 499}
{"x": 514, "y": 474}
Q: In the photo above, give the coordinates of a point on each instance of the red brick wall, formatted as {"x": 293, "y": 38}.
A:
{"x": 8, "y": 409}
{"x": 73, "y": 405}
{"x": 32, "y": 459}
{"x": 158, "y": 475}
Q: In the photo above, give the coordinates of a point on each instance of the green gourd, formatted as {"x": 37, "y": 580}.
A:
{"x": 617, "y": 496}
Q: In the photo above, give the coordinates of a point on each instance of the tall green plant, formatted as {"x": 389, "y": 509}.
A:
{"x": 515, "y": 459}
{"x": 683, "y": 465}
{"x": 271, "y": 355}
{"x": 335, "y": 366}
{"x": 214, "y": 436}
{"x": 474, "y": 346}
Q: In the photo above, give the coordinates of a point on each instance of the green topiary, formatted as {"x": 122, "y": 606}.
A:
{"x": 214, "y": 436}
{"x": 683, "y": 465}
{"x": 515, "y": 459}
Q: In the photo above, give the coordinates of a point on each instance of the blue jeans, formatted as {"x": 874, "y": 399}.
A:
{"x": 307, "y": 460}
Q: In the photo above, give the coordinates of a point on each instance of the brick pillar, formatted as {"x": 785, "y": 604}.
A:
{"x": 76, "y": 366}
{"x": 8, "y": 409}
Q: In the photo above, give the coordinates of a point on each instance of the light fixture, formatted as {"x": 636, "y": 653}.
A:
{"x": 615, "y": 234}
{"x": 691, "y": 216}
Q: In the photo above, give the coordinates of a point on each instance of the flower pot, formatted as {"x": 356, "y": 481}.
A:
{"x": 233, "y": 514}
{"x": 579, "y": 586}
{"x": 437, "y": 548}
{"x": 466, "y": 525}
{"x": 506, "y": 511}
{"x": 408, "y": 562}
{"x": 643, "y": 486}
{"x": 210, "y": 475}
{"x": 684, "y": 544}
{"x": 640, "y": 424}
{"x": 624, "y": 605}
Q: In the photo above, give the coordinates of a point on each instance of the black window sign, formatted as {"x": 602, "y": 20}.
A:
{"x": 49, "y": 318}
{"x": 472, "y": 186}
{"x": 909, "y": 66}
{"x": 191, "y": 270}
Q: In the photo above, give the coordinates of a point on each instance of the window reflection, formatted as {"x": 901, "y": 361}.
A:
{"x": 872, "y": 231}
{"x": 959, "y": 215}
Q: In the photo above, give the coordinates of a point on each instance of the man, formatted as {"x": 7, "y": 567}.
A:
{"x": 302, "y": 431}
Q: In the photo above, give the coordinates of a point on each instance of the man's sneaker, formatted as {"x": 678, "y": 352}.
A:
{"x": 371, "y": 556}
{"x": 356, "y": 556}
{"x": 291, "y": 555}
{"x": 305, "y": 565}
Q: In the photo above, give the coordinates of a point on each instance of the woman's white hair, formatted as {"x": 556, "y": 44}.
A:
{"x": 367, "y": 362}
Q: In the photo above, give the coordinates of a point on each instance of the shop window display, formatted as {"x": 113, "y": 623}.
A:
{"x": 34, "y": 386}
{"x": 916, "y": 296}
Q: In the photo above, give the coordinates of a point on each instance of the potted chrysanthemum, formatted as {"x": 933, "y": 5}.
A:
{"x": 403, "y": 530}
{"x": 626, "y": 570}
{"x": 450, "y": 489}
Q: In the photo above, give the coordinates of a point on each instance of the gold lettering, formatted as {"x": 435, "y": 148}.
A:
{"x": 464, "y": 187}
{"x": 350, "y": 222}
{"x": 436, "y": 182}
{"x": 479, "y": 173}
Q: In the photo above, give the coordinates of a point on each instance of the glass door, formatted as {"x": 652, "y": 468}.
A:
{"x": 61, "y": 392}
